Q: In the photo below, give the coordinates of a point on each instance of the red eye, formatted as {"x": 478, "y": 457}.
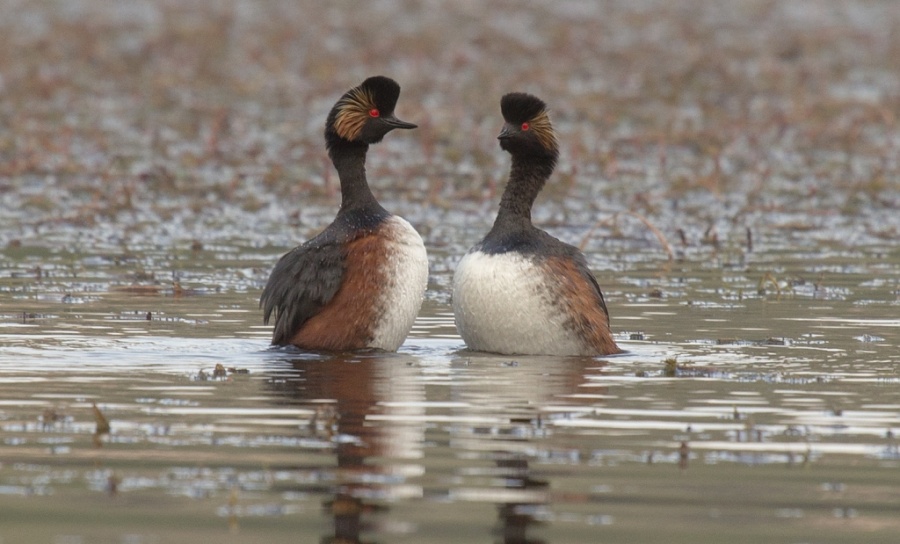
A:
{"x": 525, "y": 126}
{"x": 374, "y": 112}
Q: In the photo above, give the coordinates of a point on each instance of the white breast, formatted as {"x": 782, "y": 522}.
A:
{"x": 501, "y": 304}
{"x": 407, "y": 277}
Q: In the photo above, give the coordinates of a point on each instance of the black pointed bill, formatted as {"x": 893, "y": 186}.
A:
{"x": 393, "y": 122}
{"x": 505, "y": 132}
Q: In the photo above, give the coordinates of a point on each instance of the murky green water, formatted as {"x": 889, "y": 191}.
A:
{"x": 729, "y": 168}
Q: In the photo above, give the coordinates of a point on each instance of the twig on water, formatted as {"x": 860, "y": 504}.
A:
{"x": 595, "y": 226}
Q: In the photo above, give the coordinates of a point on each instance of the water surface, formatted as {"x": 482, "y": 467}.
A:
{"x": 733, "y": 415}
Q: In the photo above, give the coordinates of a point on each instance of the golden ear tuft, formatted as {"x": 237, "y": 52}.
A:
{"x": 543, "y": 130}
{"x": 353, "y": 111}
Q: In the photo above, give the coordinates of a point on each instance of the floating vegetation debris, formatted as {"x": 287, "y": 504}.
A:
{"x": 769, "y": 279}
{"x": 220, "y": 372}
{"x": 684, "y": 455}
{"x": 670, "y": 367}
{"x": 102, "y": 423}
{"x": 673, "y": 369}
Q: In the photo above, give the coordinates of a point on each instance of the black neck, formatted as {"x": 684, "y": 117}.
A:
{"x": 526, "y": 179}
{"x": 349, "y": 159}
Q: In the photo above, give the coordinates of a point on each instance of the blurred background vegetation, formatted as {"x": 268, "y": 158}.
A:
{"x": 199, "y": 119}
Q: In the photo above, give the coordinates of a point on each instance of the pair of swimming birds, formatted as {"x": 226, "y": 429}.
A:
{"x": 360, "y": 283}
